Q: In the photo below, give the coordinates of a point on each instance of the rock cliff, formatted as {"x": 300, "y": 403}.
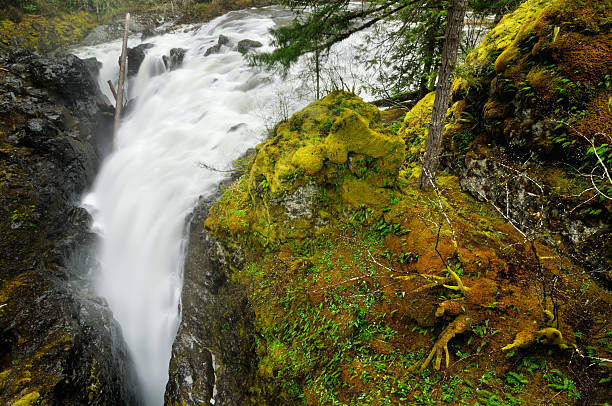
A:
{"x": 59, "y": 343}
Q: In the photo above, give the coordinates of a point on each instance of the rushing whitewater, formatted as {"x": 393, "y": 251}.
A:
{"x": 185, "y": 121}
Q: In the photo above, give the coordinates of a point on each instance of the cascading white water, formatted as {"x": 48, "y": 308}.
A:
{"x": 208, "y": 111}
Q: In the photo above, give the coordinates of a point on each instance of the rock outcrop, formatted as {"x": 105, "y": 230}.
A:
{"x": 135, "y": 56}
{"x": 529, "y": 101}
{"x": 212, "y": 359}
{"x": 175, "y": 59}
{"x": 223, "y": 40}
{"x": 59, "y": 343}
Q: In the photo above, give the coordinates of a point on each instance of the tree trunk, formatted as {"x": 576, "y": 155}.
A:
{"x": 119, "y": 99}
{"x": 318, "y": 72}
{"x": 454, "y": 26}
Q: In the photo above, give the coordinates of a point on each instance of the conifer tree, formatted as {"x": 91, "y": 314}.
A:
{"x": 413, "y": 36}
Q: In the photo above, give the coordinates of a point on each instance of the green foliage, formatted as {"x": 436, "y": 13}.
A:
{"x": 406, "y": 57}
{"x": 558, "y": 382}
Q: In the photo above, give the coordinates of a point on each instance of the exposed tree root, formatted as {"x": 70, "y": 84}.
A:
{"x": 460, "y": 325}
{"x": 548, "y": 335}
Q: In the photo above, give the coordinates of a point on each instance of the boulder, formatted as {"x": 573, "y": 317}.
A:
{"x": 93, "y": 66}
{"x": 175, "y": 60}
{"x": 135, "y": 56}
{"x": 223, "y": 40}
{"x": 246, "y": 45}
{"x": 103, "y": 33}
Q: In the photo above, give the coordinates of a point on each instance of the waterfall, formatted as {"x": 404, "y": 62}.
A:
{"x": 209, "y": 111}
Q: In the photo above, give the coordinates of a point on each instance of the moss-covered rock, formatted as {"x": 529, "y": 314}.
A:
{"x": 44, "y": 33}
{"x": 526, "y": 104}
{"x": 349, "y": 295}
{"x": 333, "y": 153}
{"x": 345, "y": 263}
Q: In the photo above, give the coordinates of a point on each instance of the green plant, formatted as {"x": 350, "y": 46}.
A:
{"x": 557, "y": 381}
{"x": 607, "y": 80}
{"x": 408, "y": 257}
{"x": 362, "y": 215}
{"x": 326, "y": 126}
{"x": 264, "y": 185}
{"x": 516, "y": 380}
{"x": 383, "y": 228}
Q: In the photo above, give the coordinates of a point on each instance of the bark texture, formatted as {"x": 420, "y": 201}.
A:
{"x": 452, "y": 35}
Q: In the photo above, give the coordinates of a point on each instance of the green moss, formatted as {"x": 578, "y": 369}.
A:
{"x": 493, "y": 110}
{"x": 309, "y": 159}
{"x": 502, "y": 35}
{"x": 44, "y": 34}
{"x": 356, "y": 193}
{"x": 416, "y": 127}
{"x": 28, "y": 400}
{"x": 302, "y": 154}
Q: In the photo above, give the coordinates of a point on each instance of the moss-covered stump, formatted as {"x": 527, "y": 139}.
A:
{"x": 367, "y": 291}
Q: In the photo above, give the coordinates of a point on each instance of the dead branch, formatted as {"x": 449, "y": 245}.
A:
{"x": 119, "y": 97}
{"x": 112, "y": 88}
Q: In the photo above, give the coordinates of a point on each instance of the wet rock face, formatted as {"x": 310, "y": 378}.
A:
{"x": 135, "y": 56}
{"x": 58, "y": 343}
{"x": 246, "y": 45}
{"x": 175, "y": 60}
{"x": 212, "y": 354}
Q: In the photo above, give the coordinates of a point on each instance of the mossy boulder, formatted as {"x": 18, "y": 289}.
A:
{"x": 316, "y": 160}
{"x": 46, "y": 33}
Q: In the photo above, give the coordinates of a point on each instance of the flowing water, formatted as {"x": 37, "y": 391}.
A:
{"x": 202, "y": 115}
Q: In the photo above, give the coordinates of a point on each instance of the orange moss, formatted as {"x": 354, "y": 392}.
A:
{"x": 598, "y": 119}
{"x": 584, "y": 57}
{"x": 542, "y": 82}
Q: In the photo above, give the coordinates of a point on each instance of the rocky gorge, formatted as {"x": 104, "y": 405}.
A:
{"x": 59, "y": 341}
{"x": 319, "y": 273}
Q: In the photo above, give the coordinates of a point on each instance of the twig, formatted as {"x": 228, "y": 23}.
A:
{"x": 210, "y": 168}
{"x": 441, "y": 204}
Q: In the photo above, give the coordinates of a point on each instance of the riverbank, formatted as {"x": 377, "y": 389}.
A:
{"x": 492, "y": 286}
{"x": 59, "y": 342}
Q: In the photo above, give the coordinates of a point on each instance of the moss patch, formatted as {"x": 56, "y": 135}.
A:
{"x": 44, "y": 34}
